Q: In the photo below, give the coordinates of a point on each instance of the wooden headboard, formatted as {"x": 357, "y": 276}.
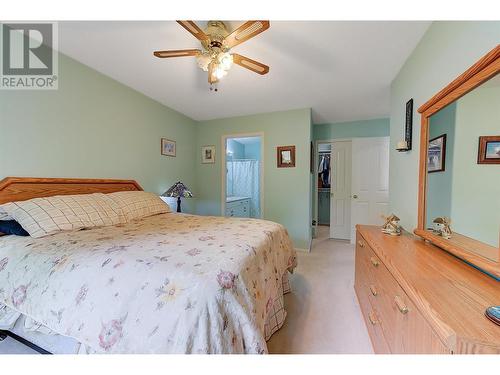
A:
{"x": 24, "y": 188}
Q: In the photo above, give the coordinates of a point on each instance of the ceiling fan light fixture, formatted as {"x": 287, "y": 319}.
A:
{"x": 204, "y": 60}
{"x": 219, "y": 72}
{"x": 215, "y": 57}
{"x": 225, "y": 60}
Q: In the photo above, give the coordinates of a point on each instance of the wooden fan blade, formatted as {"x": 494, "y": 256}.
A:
{"x": 250, "y": 64}
{"x": 177, "y": 53}
{"x": 246, "y": 31}
{"x": 193, "y": 29}
{"x": 211, "y": 76}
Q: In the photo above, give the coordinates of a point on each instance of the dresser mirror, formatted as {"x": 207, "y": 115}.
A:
{"x": 460, "y": 131}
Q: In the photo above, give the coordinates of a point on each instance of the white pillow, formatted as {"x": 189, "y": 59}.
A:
{"x": 139, "y": 204}
{"x": 44, "y": 216}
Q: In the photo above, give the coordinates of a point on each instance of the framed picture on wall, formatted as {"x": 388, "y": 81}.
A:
{"x": 168, "y": 147}
{"x": 436, "y": 154}
{"x": 208, "y": 154}
{"x": 286, "y": 156}
{"x": 489, "y": 150}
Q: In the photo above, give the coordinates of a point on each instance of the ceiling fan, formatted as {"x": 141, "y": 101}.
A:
{"x": 215, "y": 56}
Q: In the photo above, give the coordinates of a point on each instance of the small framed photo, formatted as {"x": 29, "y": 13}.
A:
{"x": 167, "y": 147}
{"x": 208, "y": 154}
{"x": 489, "y": 150}
{"x": 436, "y": 154}
{"x": 286, "y": 156}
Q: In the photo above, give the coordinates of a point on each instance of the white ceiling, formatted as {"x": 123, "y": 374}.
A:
{"x": 340, "y": 69}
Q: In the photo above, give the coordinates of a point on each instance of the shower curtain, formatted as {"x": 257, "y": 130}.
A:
{"x": 243, "y": 181}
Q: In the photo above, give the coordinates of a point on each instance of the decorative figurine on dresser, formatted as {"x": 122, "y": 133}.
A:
{"x": 391, "y": 225}
{"x": 442, "y": 227}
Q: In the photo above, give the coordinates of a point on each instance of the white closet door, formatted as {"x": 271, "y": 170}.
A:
{"x": 340, "y": 190}
{"x": 370, "y": 181}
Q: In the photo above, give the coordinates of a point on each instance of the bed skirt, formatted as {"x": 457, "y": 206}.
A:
{"x": 41, "y": 336}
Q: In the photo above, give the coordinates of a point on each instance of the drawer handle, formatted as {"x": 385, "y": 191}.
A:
{"x": 373, "y": 318}
{"x": 374, "y": 261}
{"x": 373, "y": 290}
{"x": 361, "y": 244}
{"x": 401, "y": 305}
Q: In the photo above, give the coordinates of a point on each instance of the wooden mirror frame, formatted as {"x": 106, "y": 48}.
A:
{"x": 475, "y": 252}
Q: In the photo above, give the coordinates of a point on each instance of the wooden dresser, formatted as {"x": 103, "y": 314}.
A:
{"x": 416, "y": 298}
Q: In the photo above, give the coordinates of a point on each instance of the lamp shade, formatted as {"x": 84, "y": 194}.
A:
{"x": 178, "y": 190}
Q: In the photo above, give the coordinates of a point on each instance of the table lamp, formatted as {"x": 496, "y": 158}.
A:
{"x": 178, "y": 190}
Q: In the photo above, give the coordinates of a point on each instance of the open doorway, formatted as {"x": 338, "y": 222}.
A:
{"x": 242, "y": 176}
{"x": 333, "y": 189}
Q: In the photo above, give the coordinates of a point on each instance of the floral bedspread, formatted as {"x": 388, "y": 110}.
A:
{"x": 171, "y": 283}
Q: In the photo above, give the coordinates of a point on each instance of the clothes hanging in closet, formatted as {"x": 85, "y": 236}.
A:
{"x": 324, "y": 169}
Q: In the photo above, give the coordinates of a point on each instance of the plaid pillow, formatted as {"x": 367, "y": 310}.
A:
{"x": 139, "y": 204}
{"x": 41, "y": 217}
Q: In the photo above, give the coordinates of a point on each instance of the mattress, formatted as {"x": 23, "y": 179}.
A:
{"x": 171, "y": 283}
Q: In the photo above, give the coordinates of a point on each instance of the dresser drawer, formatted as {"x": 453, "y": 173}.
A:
{"x": 372, "y": 320}
{"x": 404, "y": 328}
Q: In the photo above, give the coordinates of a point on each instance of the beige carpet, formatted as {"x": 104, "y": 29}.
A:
{"x": 323, "y": 312}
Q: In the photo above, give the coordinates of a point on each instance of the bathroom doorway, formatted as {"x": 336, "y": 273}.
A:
{"x": 242, "y": 176}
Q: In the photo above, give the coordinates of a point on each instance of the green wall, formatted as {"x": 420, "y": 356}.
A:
{"x": 352, "y": 129}
{"x": 475, "y": 203}
{"x": 439, "y": 184}
{"x": 93, "y": 127}
{"x": 286, "y": 190}
{"x": 446, "y": 50}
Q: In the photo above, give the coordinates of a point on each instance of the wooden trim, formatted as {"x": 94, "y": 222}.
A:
{"x": 479, "y": 68}
{"x": 24, "y": 188}
{"x": 280, "y": 163}
{"x": 477, "y": 253}
{"x": 481, "y": 153}
{"x": 487, "y": 67}
{"x": 422, "y": 181}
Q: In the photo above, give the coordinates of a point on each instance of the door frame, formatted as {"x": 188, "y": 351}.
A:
{"x": 224, "y": 139}
{"x": 316, "y": 159}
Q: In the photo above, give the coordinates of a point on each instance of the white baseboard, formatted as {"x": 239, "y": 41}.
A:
{"x": 306, "y": 250}
{"x": 303, "y": 250}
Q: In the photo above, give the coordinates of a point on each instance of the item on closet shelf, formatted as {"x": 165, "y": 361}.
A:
{"x": 178, "y": 190}
{"x": 391, "y": 225}
{"x": 493, "y": 314}
{"x": 441, "y": 225}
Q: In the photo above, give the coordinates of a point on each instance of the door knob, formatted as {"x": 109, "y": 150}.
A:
{"x": 355, "y": 196}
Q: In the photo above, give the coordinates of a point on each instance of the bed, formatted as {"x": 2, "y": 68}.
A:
{"x": 168, "y": 283}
